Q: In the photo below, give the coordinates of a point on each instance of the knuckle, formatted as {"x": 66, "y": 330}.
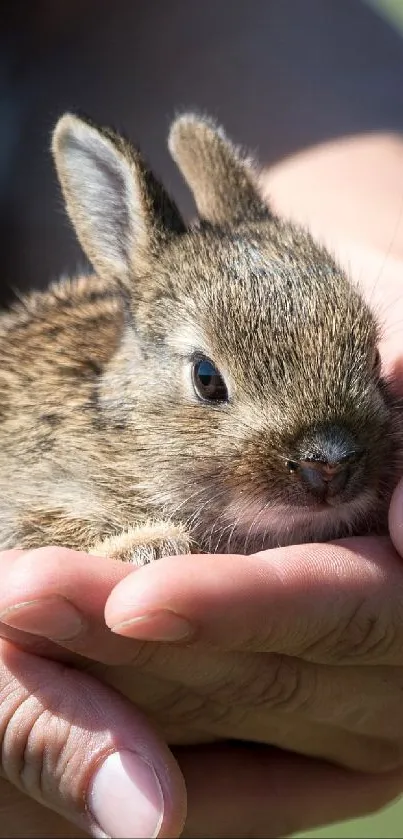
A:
{"x": 277, "y": 682}
{"x": 366, "y": 635}
{"x": 37, "y": 732}
{"x": 286, "y": 685}
{"x": 147, "y": 656}
{"x": 181, "y": 712}
{"x": 23, "y": 750}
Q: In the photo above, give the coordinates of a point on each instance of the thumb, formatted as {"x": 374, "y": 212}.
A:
{"x": 79, "y": 748}
{"x": 396, "y": 518}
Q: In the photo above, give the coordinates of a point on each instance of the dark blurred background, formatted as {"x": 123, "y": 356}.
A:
{"x": 281, "y": 75}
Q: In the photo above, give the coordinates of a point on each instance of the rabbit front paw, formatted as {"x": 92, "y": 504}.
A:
{"x": 145, "y": 543}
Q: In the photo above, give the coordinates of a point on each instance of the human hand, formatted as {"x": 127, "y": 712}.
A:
{"x": 233, "y": 790}
{"x": 81, "y": 750}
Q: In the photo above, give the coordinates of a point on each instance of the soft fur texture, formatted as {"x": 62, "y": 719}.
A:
{"x": 105, "y": 445}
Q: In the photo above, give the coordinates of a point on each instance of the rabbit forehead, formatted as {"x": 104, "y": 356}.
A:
{"x": 245, "y": 297}
{"x": 263, "y": 270}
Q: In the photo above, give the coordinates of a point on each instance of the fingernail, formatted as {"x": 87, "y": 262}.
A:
{"x": 163, "y": 625}
{"x": 126, "y": 798}
{"x": 53, "y": 617}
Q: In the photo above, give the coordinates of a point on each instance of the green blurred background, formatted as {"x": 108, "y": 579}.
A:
{"x": 388, "y": 824}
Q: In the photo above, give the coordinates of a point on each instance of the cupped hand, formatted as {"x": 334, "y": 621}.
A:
{"x": 234, "y": 676}
{"x": 80, "y": 749}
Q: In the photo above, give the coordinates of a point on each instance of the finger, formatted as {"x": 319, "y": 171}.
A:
{"x": 260, "y": 792}
{"x": 59, "y": 594}
{"x": 330, "y": 603}
{"x": 396, "y": 518}
{"x": 281, "y": 794}
{"x": 237, "y": 791}
{"x": 351, "y": 715}
{"x": 82, "y": 750}
{"x": 239, "y": 694}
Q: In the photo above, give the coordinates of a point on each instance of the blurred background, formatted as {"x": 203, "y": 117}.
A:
{"x": 280, "y": 75}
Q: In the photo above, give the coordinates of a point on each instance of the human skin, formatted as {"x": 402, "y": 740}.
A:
{"x": 301, "y": 647}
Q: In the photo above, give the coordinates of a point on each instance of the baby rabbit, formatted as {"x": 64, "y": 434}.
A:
{"x": 209, "y": 388}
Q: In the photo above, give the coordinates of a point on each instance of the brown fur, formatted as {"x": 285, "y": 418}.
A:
{"x": 104, "y": 443}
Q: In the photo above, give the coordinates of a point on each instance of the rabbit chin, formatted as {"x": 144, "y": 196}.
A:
{"x": 257, "y": 527}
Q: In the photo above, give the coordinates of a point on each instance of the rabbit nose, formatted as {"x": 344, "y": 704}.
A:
{"x": 326, "y": 461}
{"x": 322, "y": 478}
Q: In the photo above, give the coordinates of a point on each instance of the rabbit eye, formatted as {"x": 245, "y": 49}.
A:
{"x": 208, "y": 381}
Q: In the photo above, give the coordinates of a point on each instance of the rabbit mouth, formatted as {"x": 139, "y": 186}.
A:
{"x": 252, "y": 527}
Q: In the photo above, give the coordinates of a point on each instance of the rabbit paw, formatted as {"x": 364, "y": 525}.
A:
{"x": 145, "y": 543}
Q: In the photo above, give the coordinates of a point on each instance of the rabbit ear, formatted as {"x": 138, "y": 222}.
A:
{"x": 120, "y": 212}
{"x": 223, "y": 182}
